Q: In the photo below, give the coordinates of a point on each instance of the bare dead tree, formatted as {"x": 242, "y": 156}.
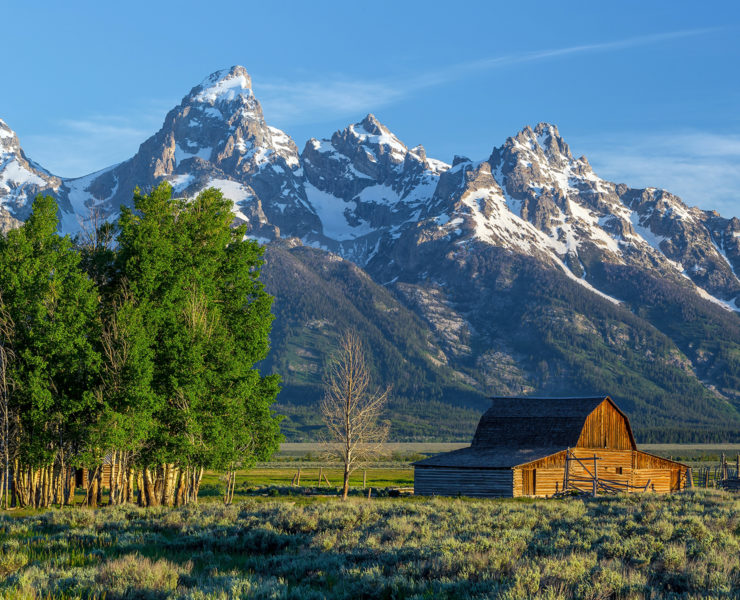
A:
{"x": 95, "y": 231}
{"x": 96, "y": 239}
{"x": 351, "y": 409}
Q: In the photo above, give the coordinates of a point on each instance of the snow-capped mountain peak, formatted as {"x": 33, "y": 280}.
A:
{"x": 5, "y": 131}
{"x": 372, "y": 133}
{"x": 549, "y": 140}
{"x": 20, "y": 178}
{"x": 362, "y": 191}
{"x": 224, "y": 86}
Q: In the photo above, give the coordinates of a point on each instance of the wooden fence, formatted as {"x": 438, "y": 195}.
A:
{"x": 724, "y": 476}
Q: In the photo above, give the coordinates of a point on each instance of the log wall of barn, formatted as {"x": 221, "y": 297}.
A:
{"x": 440, "y": 481}
{"x": 670, "y": 476}
{"x": 545, "y": 477}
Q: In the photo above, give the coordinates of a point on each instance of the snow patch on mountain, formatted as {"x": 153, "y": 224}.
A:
{"x": 645, "y": 234}
{"x": 13, "y": 175}
{"x": 723, "y": 254}
{"x": 233, "y": 190}
{"x": 82, "y": 203}
{"x": 180, "y": 182}
{"x": 500, "y": 227}
{"x": 333, "y": 213}
{"x": 731, "y": 306}
{"x": 581, "y": 281}
{"x": 379, "y": 194}
{"x": 285, "y": 147}
{"x": 183, "y": 154}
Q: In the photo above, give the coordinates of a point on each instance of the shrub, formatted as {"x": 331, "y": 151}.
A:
{"x": 680, "y": 546}
{"x": 673, "y": 558}
{"x": 11, "y": 561}
{"x": 134, "y": 575}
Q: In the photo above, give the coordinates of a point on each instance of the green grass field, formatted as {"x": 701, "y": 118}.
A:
{"x": 643, "y": 546}
{"x": 276, "y": 476}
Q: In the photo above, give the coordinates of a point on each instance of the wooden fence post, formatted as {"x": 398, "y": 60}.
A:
{"x": 298, "y": 483}
{"x": 321, "y": 471}
{"x": 689, "y": 478}
{"x": 364, "y": 477}
{"x": 596, "y": 475}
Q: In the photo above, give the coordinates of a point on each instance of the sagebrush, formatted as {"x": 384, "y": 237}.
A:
{"x": 642, "y": 546}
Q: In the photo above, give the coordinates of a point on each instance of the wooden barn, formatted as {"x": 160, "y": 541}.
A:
{"x": 543, "y": 446}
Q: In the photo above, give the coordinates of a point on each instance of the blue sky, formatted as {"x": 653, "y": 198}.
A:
{"x": 650, "y": 94}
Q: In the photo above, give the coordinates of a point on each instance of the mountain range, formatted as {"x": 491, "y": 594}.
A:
{"x": 522, "y": 273}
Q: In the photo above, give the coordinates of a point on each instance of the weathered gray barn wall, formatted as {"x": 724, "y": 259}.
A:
{"x": 463, "y": 482}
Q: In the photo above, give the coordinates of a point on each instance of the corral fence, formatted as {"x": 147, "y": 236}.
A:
{"x": 723, "y": 476}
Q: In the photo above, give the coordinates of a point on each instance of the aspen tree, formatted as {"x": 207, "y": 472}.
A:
{"x": 195, "y": 281}
{"x": 53, "y": 306}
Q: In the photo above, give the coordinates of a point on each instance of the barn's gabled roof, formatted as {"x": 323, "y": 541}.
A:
{"x": 516, "y": 431}
{"x": 528, "y": 422}
{"x": 487, "y": 458}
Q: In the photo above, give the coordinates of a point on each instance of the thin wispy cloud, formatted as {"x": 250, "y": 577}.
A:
{"x": 461, "y": 70}
{"x": 103, "y": 126}
{"x": 81, "y": 146}
{"x": 291, "y": 102}
{"x": 304, "y": 101}
{"x": 702, "y": 168}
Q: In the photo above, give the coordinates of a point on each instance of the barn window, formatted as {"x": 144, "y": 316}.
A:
{"x": 619, "y": 470}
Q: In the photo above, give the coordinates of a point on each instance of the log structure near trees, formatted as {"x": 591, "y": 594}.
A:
{"x": 547, "y": 446}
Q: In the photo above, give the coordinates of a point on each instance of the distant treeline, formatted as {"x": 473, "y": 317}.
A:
{"x": 687, "y": 435}
{"x": 131, "y": 350}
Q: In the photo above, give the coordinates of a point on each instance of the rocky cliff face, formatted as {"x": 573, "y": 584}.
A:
{"x": 513, "y": 263}
{"x": 7, "y": 222}
{"x": 364, "y": 183}
{"x": 216, "y": 137}
{"x": 590, "y": 219}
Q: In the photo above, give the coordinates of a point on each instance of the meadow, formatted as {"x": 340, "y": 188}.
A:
{"x": 643, "y": 546}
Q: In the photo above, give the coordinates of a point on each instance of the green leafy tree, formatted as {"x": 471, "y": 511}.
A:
{"x": 128, "y": 404}
{"x": 195, "y": 282}
{"x": 53, "y": 305}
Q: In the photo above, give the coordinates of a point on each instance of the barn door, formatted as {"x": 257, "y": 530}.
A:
{"x": 529, "y": 482}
